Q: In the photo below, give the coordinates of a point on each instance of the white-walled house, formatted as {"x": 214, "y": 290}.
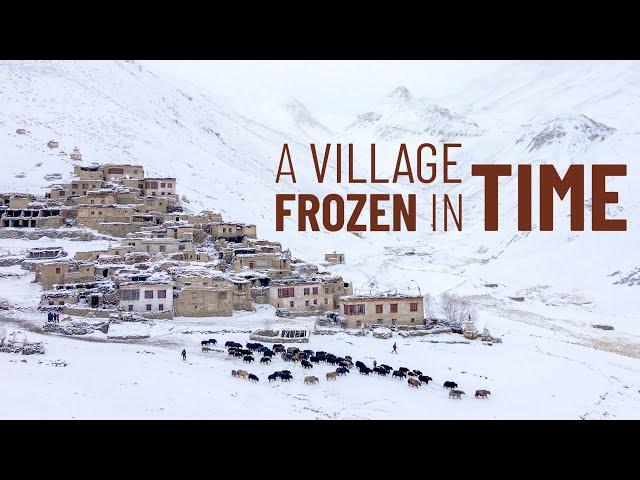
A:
{"x": 154, "y": 299}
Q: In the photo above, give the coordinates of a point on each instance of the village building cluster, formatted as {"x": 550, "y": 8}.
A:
{"x": 169, "y": 262}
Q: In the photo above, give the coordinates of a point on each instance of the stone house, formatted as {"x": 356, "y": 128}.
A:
{"x": 279, "y": 263}
{"x": 149, "y": 298}
{"x": 382, "y": 309}
{"x": 308, "y": 295}
{"x": 52, "y": 144}
{"x": 53, "y": 273}
{"x": 120, "y": 171}
{"x": 93, "y": 215}
{"x": 231, "y": 231}
{"x": 202, "y": 293}
{"x": 153, "y": 246}
{"x": 160, "y": 187}
{"x": 81, "y": 187}
{"x": 20, "y": 214}
{"x": 154, "y": 204}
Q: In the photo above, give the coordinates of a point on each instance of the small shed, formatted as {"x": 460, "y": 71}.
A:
{"x": 52, "y": 144}
{"x": 21, "y": 131}
{"x": 76, "y": 155}
{"x": 334, "y": 258}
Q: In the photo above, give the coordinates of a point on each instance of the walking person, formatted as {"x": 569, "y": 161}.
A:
{"x": 375, "y": 364}
{"x": 49, "y": 317}
{"x": 184, "y": 355}
{"x": 395, "y": 348}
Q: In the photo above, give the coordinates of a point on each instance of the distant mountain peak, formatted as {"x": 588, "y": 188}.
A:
{"x": 302, "y": 117}
{"x": 572, "y": 130}
{"x": 400, "y": 93}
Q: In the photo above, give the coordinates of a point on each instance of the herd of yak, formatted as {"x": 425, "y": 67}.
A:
{"x": 307, "y": 358}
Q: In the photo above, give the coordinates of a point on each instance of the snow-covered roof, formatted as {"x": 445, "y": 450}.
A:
{"x": 380, "y": 296}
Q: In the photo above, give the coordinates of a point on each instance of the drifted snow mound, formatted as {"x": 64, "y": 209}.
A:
{"x": 382, "y": 332}
{"x": 402, "y": 116}
{"x": 129, "y": 331}
{"x": 575, "y": 132}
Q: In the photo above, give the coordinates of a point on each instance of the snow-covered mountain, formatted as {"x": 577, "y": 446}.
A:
{"x": 401, "y": 116}
{"x": 533, "y": 91}
{"x": 291, "y": 116}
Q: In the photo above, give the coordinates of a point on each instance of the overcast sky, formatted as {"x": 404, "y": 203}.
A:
{"x": 334, "y": 91}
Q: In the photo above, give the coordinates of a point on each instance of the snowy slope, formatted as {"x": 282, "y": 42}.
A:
{"x": 291, "y": 116}
{"x": 122, "y": 112}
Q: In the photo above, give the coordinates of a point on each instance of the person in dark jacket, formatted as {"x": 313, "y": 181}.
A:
{"x": 395, "y": 348}
{"x": 184, "y": 354}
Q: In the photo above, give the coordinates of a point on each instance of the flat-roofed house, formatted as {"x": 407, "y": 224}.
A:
{"x": 160, "y": 187}
{"x": 149, "y": 298}
{"x": 202, "y": 293}
{"x": 308, "y": 295}
{"x": 231, "y": 231}
{"x": 382, "y": 309}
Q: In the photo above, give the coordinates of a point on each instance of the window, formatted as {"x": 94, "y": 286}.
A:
{"x": 161, "y": 306}
{"x": 413, "y": 307}
{"x": 394, "y": 308}
{"x": 306, "y": 303}
{"x": 131, "y": 308}
{"x": 130, "y": 294}
{"x": 116, "y": 171}
{"x": 306, "y": 291}
{"x": 378, "y": 308}
{"x": 148, "y": 307}
{"x": 148, "y": 294}
{"x": 291, "y": 304}
{"x": 163, "y": 185}
{"x": 354, "y": 309}
{"x": 162, "y": 294}
{"x": 315, "y": 290}
{"x": 222, "y": 295}
{"x": 315, "y": 302}
{"x": 169, "y": 185}
{"x": 413, "y": 320}
{"x": 285, "y": 292}
{"x": 163, "y": 248}
{"x": 326, "y": 290}
{"x": 58, "y": 270}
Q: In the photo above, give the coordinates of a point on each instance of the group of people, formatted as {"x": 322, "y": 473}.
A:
{"x": 53, "y": 317}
